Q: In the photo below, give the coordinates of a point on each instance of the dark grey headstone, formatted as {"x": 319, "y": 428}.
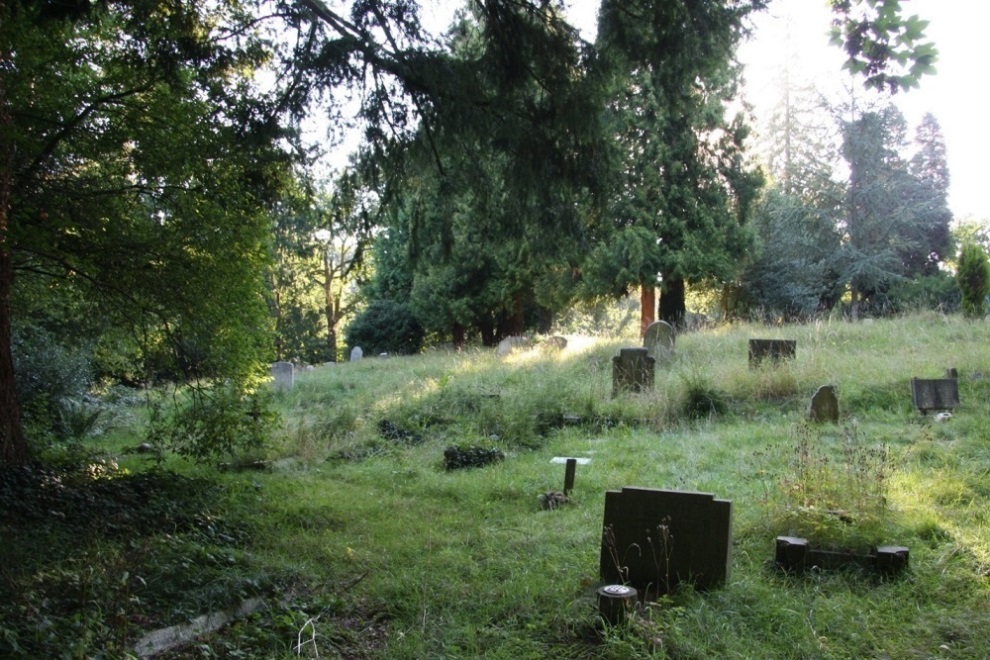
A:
{"x": 356, "y": 353}
{"x": 659, "y": 341}
{"x": 935, "y": 394}
{"x": 774, "y": 350}
{"x": 824, "y": 405}
{"x": 660, "y": 538}
{"x": 284, "y": 375}
{"x": 632, "y": 371}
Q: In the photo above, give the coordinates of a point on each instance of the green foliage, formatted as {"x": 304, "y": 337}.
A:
{"x": 386, "y": 326}
{"x": 209, "y": 422}
{"x": 882, "y": 44}
{"x": 973, "y": 278}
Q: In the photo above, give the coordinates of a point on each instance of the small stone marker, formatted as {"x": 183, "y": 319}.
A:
{"x": 632, "y": 371}
{"x": 775, "y": 350}
{"x": 655, "y": 539}
{"x": 569, "y": 471}
{"x": 824, "y": 405}
{"x": 935, "y": 394}
{"x": 284, "y": 375}
{"x": 659, "y": 341}
{"x": 614, "y": 602}
{"x": 356, "y": 354}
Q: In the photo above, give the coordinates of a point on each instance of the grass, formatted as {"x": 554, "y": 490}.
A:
{"x": 364, "y": 546}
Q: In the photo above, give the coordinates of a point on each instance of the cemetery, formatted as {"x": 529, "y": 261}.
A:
{"x": 563, "y": 504}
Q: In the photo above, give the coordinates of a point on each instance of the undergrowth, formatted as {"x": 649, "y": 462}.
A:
{"x": 362, "y": 545}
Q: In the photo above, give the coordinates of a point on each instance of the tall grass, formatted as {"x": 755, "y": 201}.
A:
{"x": 371, "y": 547}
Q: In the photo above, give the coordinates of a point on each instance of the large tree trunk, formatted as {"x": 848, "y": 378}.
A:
{"x": 672, "y": 306}
{"x": 647, "y": 305}
{"x": 13, "y": 445}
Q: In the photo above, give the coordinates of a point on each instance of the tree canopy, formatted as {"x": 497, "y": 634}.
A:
{"x": 143, "y": 156}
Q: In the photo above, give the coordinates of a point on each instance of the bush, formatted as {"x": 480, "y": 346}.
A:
{"x": 933, "y": 292}
{"x": 386, "y": 326}
{"x": 49, "y": 378}
{"x": 973, "y": 277}
{"x": 215, "y": 421}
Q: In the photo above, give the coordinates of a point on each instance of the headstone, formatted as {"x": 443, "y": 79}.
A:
{"x": 510, "y": 344}
{"x": 935, "y": 394}
{"x": 284, "y": 374}
{"x": 356, "y": 354}
{"x": 555, "y": 343}
{"x": 824, "y": 405}
{"x": 659, "y": 341}
{"x": 632, "y": 371}
{"x": 775, "y": 350}
{"x": 656, "y": 539}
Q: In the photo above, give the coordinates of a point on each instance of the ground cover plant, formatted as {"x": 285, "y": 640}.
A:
{"x": 358, "y": 542}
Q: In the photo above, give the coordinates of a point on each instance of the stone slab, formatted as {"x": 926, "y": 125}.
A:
{"x": 935, "y": 394}
{"x": 698, "y": 549}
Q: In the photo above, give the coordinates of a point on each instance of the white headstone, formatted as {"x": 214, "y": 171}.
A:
{"x": 659, "y": 341}
{"x": 283, "y": 373}
{"x": 356, "y": 354}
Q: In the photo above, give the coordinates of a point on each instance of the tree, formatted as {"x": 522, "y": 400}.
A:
{"x": 973, "y": 276}
{"x": 929, "y": 198}
{"x": 137, "y": 165}
{"x": 879, "y": 221}
{"x": 682, "y": 193}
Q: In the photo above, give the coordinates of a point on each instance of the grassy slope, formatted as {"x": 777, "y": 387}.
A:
{"x": 391, "y": 556}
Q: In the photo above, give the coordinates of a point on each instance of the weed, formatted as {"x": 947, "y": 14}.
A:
{"x": 832, "y": 491}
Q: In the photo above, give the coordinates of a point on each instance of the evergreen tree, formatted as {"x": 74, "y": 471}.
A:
{"x": 682, "y": 194}
{"x": 929, "y": 199}
{"x": 973, "y": 276}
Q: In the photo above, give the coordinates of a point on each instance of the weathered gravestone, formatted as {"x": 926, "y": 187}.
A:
{"x": 356, "y": 354}
{"x": 935, "y": 394}
{"x": 659, "y": 341}
{"x": 632, "y": 371}
{"x": 284, "y": 374}
{"x": 774, "y": 350}
{"x": 824, "y": 405}
{"x": 656, "y": 539}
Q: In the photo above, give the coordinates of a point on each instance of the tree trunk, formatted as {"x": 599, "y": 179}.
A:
{"x": 13, "y": 445}
{"x": 647, "y": 305}
{"x": 672, "y": 306}
{"x": 458, "y": 333}
{"x": 331, "y": 307}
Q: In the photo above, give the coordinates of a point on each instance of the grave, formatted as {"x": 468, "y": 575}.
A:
{"x": 356, "y": 354}
{"x": 632, "y": 371}
{"x": 796, "y": 554}
{"x": 824, "y": 405}
{"x": 935, "y": 394}
{"x": 284, "y": 375}
{"x": 659, "y": 341}
{"x": 656, "y": 539}
{"x": 774, "y": 350}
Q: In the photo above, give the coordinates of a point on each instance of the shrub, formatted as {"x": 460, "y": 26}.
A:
{"x": 49, "y": 377}
{"x": 973, "y": 277}
{"x": 214, "y": 421}
{"x": 386, "y": 326}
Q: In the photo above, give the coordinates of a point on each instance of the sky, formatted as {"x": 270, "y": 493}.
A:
{"x": 796, "y": 31}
